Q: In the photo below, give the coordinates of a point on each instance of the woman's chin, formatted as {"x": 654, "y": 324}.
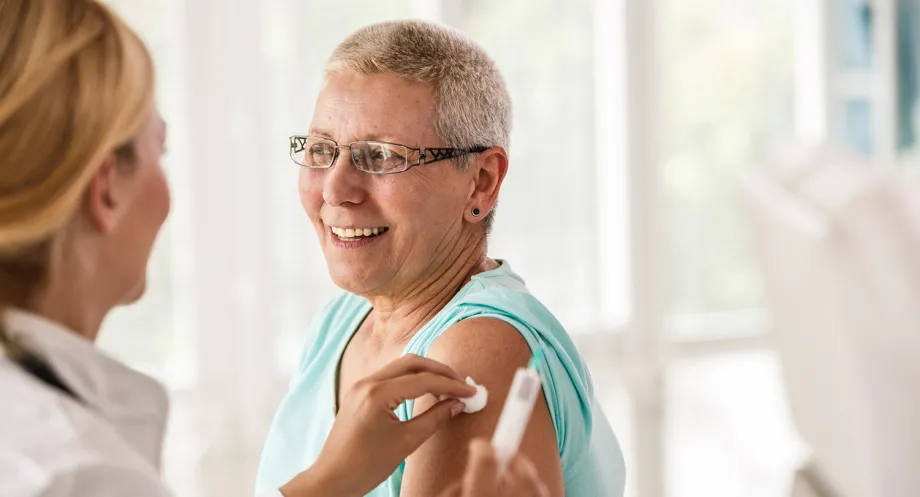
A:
{"x": 349, "y": 284}
{"x": 354, "y": 280}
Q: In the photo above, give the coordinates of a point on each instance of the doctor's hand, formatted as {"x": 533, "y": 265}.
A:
{"x": 368, "y": 442}
{"x": 484, "y": 478}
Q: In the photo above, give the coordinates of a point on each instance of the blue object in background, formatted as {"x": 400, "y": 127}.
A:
{"x": 857, "y": 119}
{"x": 855, "y": 24}
{"x": 856, "y": 30}
{"x": 907, "y": 71}
{"x": 855, "y": 27}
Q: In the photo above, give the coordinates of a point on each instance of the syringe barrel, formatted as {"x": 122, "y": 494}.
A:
{"x": 515, "y": 414}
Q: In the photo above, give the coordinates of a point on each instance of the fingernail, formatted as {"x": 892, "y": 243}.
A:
{"x": 457, "y": 409}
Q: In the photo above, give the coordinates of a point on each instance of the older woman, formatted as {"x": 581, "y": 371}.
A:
{"x": 402, "y": 167}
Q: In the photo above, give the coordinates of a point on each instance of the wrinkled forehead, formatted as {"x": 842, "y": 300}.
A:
{"x": 376, "y": 107}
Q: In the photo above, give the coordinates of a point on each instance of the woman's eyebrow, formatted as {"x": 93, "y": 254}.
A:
{"x": 373, "y": 137}
{"x": 320, "y": 132}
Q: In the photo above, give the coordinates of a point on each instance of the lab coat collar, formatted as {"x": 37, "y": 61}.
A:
{"x": 133, "y": 403}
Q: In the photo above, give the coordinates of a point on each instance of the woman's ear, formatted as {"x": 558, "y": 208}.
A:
{"x": 104, "y": 198}
{"x": 489, "y": 172}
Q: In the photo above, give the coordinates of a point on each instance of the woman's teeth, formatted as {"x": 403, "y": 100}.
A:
{"x": 357, "y": 232}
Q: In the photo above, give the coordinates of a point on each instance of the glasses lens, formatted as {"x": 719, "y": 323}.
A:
{"x": 310, "y": 151}
{"x": 377, "y": 157}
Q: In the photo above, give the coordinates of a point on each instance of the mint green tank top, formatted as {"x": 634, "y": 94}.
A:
{"x": 592, "y": 463}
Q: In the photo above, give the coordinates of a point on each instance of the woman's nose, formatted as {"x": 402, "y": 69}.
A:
{"x": 343, "y": 183}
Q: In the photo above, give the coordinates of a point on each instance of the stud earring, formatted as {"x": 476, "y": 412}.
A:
{"x": 476, "y": 212}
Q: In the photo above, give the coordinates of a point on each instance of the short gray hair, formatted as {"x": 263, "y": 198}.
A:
{"x": 473, "y": 107}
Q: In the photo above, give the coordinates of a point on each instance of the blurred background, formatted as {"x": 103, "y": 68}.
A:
{"x": 640, "y": 240}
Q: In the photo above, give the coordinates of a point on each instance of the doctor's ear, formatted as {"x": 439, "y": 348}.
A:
{"x": 107, "y": 193}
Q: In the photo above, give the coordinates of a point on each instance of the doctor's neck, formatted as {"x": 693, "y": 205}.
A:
{"x": 74, "y": 299}
{"x": 76, "y": 314}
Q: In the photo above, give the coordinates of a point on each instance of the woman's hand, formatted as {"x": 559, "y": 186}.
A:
{"x": 484, "y": 478}
{"x": 368, "y": 442}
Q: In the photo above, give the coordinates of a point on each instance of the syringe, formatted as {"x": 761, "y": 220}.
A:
{"x": 518, "y": 406}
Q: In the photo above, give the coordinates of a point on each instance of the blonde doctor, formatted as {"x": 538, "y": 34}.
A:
{"x": 82, "y": 198}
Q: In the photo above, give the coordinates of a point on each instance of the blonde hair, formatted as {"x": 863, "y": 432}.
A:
{"x": 473, "y": 107}
{"x": 76, "y": 84}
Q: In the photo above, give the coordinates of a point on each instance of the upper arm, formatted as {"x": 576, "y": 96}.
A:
{"x": 490, "y": 351}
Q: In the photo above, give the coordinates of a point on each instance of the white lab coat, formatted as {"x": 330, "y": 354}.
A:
{"x": 106, "y": 444}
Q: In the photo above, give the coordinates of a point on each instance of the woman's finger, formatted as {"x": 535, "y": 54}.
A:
{"x": 481, "y": 477}
{"x": 411, "y": 363}
{"x": 416, "y": 385}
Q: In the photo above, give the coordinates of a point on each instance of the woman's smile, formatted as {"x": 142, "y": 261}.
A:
{"x": 355, "y": 237}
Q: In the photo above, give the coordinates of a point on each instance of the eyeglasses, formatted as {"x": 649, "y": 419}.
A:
{"x": 370, "y": 156}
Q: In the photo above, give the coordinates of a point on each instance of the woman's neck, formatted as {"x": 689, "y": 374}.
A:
{"x": 397, "y": 318}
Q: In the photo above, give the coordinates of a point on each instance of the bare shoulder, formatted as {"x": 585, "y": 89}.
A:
{"x": 490, "y": 351}
{"x": 487, "y": 346}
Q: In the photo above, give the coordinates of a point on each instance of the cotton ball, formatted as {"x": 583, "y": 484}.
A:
{"x": 475, "y": 403}
{"x": 478, "y": 401}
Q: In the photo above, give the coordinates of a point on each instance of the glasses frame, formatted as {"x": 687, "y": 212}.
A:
{"x": 435, "y": 154}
